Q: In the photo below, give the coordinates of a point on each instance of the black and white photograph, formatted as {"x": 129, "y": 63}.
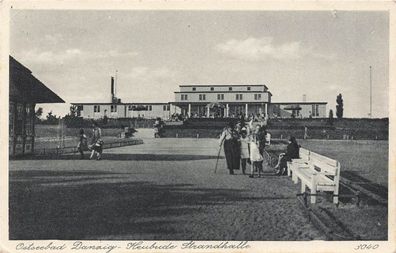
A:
{"x": 196, "y": 129}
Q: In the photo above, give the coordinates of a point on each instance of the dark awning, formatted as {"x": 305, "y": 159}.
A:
{"x": 292, "y": 107}
{"x": 24, "y": 87}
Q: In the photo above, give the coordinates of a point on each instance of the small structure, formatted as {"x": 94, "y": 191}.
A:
{"x": 25, "y": 92}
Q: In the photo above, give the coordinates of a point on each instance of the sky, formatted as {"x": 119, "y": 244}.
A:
{"x": 317, "y": 53}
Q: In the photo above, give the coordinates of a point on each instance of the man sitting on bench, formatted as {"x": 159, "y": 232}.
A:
{"x": 292, "y": 152}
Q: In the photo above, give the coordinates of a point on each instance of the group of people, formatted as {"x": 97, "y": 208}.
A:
{"x": 243, "y": 144}
{"x": 96, "y": 146}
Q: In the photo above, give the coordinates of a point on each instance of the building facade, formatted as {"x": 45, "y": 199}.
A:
{"x": 209, "y": 101}
{"x": 125, "y": 110}
{"x": 222, "y": 100}
{"x": 25, "y": 92}
{"x": 297, "y": 110}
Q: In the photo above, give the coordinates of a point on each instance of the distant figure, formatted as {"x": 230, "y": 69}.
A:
{"x": 268, "y": 139}
{"x": 97, "y": 142}
{"x": 82, "y": 144}
{"x": 157, "y": 128}
{"x": 305, "y": 132}
{"x": 292, "y": 152}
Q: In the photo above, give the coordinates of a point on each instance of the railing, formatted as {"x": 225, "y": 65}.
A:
{"x": 71, "y": 150}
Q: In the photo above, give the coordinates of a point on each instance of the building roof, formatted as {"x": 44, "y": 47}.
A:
{"x": 222, "y": 91}
{"x": 222, "y": 85}
{"x": 166, "y": 103}
{"x": 24, "y": 87}
{"x": 297, "y": 103}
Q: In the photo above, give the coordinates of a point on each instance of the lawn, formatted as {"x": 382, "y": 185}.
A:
{"x": 368, "y": 159}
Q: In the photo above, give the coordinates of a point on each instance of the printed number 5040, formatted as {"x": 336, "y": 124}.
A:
{"x": 366, "y": 246}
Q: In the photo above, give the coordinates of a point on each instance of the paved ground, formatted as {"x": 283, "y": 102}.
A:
{"x": 163, "y": 189}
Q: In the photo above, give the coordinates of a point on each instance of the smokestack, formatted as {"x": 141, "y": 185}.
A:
{"x": 112, "y": 86}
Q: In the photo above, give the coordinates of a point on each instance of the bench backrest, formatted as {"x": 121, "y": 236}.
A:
{"x": 325, "y": 164}
{"x": 304, "y": 154}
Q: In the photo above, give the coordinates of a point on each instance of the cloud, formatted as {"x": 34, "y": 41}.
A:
{"x": 73, "y": 54}
{"x": 53, "y": 38}
{"x": 260, "y": 49}
{"x": 146, "y": 74}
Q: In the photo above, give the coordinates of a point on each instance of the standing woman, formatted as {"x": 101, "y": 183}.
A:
{"x": 231, "y": 151}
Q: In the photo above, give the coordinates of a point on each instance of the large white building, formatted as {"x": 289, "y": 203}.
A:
{"x": 206, "y": 101}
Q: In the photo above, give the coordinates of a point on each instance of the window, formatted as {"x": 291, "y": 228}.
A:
{"x": 202, "y": 97}
{"x": 96, "y": 108}
{"x": 166, "y": 107}
{"x": 313, "y": 110}
{"x": 238, "y": 96}
{"x": 317, "y": 110}
{"x": 257, "y": 96}
{"x": 79, "y": 108}
{"x": 220, "y": 96}
{"x": 248, "y": 88}
{"x": 184, "y": 97}
{"x": 194, "y": 89}
{"x": 131, "y": 107}
{"x": 113, "y": 108}
{"x": 150, "y": 107}
{"x": 211, "y": 88}
{"x": 229, "y": 88}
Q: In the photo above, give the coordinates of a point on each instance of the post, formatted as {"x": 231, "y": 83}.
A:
{"x": 189, "y": 111}
{"x": 246, "y": 110}
{"x": 208, "y": 112}
{"x": 313, "y": 189}
{"x": 227, "y": 110}
{"x": 337, "y": 183}
{"x": 266, "y": 110}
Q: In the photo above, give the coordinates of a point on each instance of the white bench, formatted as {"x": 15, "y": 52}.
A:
{"x": 317, "y": 172}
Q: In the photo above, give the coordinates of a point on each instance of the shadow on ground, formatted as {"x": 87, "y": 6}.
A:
{"x": 127, "y": 157}
{"x": 40, "y": 209}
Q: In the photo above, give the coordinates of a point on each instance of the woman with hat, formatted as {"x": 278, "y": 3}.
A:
{"x": 231, "y": 147}
{"x": 292, "y": 152}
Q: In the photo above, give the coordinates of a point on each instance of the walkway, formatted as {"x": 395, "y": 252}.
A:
{"x": 163, "y": 189}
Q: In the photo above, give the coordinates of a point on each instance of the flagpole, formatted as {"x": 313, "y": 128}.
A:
{"x": 371, "y": 94}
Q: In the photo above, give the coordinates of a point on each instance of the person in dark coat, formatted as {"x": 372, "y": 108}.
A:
{"x": 82, "y": 144}
{"x": 229, "y": 138}
{"x": 292, "y": 152}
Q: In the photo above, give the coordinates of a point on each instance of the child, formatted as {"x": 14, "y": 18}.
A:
{"x": 97, "y": 143}
{"x": 255, "y": 157}
{"x": 244, "y": 140}
{"x": 82, "y": 144}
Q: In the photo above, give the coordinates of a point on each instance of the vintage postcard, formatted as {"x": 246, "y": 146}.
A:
{"x": 186, "y": 126}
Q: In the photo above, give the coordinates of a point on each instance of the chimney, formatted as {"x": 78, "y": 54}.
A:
{"x": 112, "y": 89}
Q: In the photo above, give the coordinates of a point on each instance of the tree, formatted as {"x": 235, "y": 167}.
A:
{"x": 52, "y": 119}
{"x": 340, "y": 106}
{"x": 73, "y": 111}
{"x": 331, "y": 117}
{"x": 39, "y": 112}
